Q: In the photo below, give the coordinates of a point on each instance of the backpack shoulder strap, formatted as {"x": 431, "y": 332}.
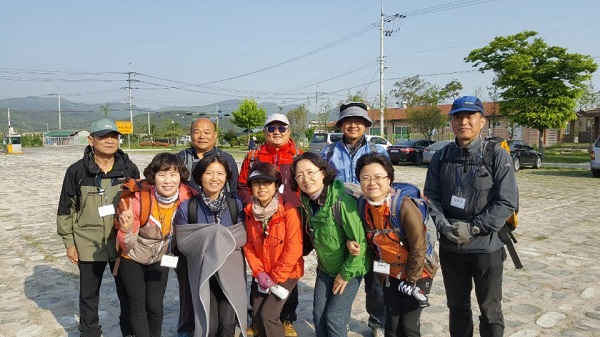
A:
{"x": 192, "y": 211}
{"x": 488, "y": 155}
{"x": 372, "y": 147}
{"x": 329, "y": 152}
{"x": 337, "y": 210}
{"x": 232, "y": 205}
{"x": 252, "y": 156}
{"x": 145, "y": 205}
{"x": 395, "y": 205}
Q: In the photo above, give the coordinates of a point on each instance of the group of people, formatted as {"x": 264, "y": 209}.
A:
{"x": 210, "y": 222}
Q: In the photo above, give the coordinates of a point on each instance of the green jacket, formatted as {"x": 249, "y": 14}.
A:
{"x": 78, "y": 219}
{"x": 329, "y": 238}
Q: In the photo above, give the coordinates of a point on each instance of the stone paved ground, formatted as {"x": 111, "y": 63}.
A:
{"x": 556, "y": 294}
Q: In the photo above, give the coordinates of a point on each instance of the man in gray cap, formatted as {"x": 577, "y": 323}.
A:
{"x": 343, "y": 155}
{"x": 280, "y": 150}
{"x": 85, "y": 220}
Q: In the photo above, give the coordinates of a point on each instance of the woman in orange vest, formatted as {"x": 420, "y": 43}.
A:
{"x": 401, "y": 260}
{"x": 273, "y": 249}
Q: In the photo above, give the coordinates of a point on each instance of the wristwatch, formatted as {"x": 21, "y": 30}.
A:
{"x": 475, "y": 230}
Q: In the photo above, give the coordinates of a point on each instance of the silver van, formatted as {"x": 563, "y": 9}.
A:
{"x": 321, "y": 139}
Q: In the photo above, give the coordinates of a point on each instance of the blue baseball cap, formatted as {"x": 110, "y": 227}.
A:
{"x": 466, "y": 103}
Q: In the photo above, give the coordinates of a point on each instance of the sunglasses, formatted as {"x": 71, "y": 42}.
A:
{"x": 272, "y": 129}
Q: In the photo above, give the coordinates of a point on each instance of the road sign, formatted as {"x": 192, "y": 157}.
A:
{"x": 125, "y": 127}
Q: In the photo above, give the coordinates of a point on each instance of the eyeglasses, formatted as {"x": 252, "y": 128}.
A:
{"x": 272, "y": 129}
{"x": 307, "y": 175}
{"x": 367, "y": 180}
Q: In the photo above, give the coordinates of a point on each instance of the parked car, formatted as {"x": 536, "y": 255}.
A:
{"x": 321, "y": 139}
{"x": 524, "y": 155}
{"x": 408, "y": 150}
{"x": 595, "y": 159}
{"x": 378, "y": 140}
{"x": 429, "y": 151}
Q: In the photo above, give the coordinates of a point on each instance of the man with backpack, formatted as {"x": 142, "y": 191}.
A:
{"x": 85, "y": 220}
{"x": 203, "y": 134}
{"x": 469, "y": 205}
{"x": 343, "y": 155}
{"x": 280, "y": 150}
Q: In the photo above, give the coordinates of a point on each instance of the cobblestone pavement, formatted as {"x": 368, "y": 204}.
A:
{"x": 556, "y": 294}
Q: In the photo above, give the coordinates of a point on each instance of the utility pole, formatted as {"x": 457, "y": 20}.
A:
{"x": 317, "y": 108}
{"x": 381, "y": 68}
{"x": 59, "y": 117}
{"x": 130, "y": 111}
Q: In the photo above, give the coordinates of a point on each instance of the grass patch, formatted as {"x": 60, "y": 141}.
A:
{"x": 566, "y": 158}
{"x": 562, "y": 172}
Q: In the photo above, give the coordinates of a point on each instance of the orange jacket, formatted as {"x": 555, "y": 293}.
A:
{"x": 278, "y": 252}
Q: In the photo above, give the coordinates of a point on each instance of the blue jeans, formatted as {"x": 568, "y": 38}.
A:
{"x": 331, "y": 313}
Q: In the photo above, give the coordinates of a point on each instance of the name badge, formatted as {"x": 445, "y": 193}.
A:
{"x": 381, "y": 267}
{"x": 458, "y": 202}
{"x": 169, "y": 261}
{"x": 106, "y": 210}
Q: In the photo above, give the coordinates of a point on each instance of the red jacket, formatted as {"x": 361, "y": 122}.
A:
{"x": 282, "y": 158}
{"x": 278, "y": 252}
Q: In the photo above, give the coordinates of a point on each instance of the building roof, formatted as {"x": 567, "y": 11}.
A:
{"x": 399, "y": 114}
{"x": 61, "y": 133}
{"x": 589, "y": 113}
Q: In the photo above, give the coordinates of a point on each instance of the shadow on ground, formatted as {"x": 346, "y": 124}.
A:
{"x": 46, "y": 288}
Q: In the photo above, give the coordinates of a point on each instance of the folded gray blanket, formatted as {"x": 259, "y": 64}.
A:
{"x": 214, "y": 249}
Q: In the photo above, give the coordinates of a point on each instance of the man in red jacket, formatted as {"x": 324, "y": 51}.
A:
{"x": 280, "y": 150}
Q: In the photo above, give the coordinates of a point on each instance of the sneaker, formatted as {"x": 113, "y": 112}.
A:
{"x": 288, "y": 329}
{"x": 252, "y": 331}
{"x": 378, "y": 333}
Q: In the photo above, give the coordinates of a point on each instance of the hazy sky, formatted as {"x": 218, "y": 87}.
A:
{"x": 200, "y": 52}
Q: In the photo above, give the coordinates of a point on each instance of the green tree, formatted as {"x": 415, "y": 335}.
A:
{"x": 309, "y": 133}
{"x": 539, "y": 84}
{"x": 248, "y": 115}
{"x": 298, "y": 121}
{"x": 414, "y": 91}
{"x": 426, "y": 119}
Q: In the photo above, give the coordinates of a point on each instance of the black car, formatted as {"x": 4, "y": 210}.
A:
{"x": 408, "y": 150}
{"x": 524, "y": 155}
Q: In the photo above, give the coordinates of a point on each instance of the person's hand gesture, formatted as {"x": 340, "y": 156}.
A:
{"x": 126, "y": 216}
{"x": 353, "y": 247}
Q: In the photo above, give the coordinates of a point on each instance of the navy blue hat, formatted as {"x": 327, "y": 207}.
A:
{"x": 466, "y": 103}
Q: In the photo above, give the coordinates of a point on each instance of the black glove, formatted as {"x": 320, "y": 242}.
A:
{"x": 413, "y": 290}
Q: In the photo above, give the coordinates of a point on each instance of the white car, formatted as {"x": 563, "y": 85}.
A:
{"x": 595, "y": 159}
{"x": 378, "y": 140}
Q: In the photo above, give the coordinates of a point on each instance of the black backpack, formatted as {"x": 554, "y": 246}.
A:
{"x": 192, "y": 211}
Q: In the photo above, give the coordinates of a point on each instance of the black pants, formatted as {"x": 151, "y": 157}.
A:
{"x": 267, "y": 309}
{"x": 403, "y": 311}
{"x": 374, "y": 301}
{"x": 460, "y": 272}
{"x": 90, "y": 280}
{"x": 186, "y": 308}
{"x": 222, "y": 315}
{"x": 146, "y": 287}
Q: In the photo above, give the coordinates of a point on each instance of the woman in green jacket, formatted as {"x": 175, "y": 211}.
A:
{"x": 338, "y": 273}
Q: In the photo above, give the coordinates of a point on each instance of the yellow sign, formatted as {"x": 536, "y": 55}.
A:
{"x": 125, "y": 127}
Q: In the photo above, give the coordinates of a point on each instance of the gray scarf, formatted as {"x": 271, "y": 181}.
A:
{"x": 217, "y": 206}
{"x": 263, "y": 214}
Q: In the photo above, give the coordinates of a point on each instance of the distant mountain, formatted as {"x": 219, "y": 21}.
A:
{"x": 41, "y": 113}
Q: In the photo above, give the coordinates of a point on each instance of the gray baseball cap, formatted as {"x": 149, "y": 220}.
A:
{"x": 354, "y": 109}
{"x": 101, "y": 128}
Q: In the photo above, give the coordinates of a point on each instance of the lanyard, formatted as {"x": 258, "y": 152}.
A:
{"x": 460, "y": 181}
{"x": 101, "y": 191}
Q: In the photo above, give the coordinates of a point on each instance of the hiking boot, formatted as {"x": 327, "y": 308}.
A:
{"x": 252, "y": 331}
{"x": 288, "y": 329}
